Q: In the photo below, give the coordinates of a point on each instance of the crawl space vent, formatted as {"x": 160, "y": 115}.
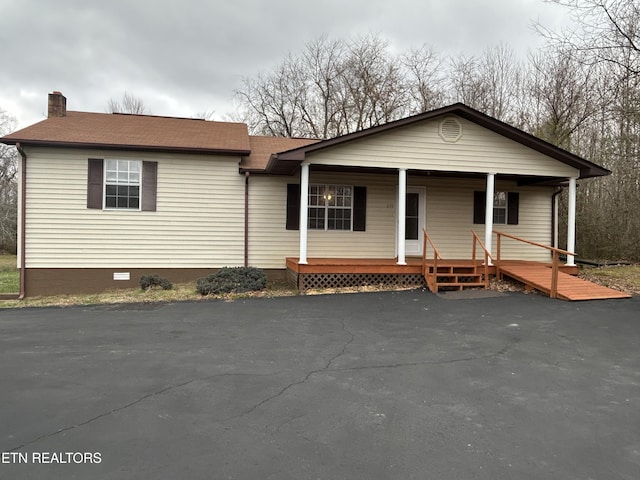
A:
{"x": 450, "y": 129}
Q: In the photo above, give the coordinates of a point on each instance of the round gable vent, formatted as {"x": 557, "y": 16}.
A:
{"x": 450, "y": 129}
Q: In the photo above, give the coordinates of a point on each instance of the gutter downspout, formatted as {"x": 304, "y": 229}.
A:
{"x": 246, "y": 219}
{"x": 23, "y": 221}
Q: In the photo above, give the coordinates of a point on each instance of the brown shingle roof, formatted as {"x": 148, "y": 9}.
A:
{"x": 263, "y": 147}
{"x": 141, "y": 132}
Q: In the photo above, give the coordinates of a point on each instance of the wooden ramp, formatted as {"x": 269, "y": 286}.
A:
{"x": 569, "y": 287}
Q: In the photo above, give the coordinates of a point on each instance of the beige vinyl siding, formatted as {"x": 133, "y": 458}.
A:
{"x": 270, "y": 243}
{"x": 449, "y": 217}
{"x": 199, "y": 222}
{"x": 378, "y": 240}
{"x": 420, "y": 147}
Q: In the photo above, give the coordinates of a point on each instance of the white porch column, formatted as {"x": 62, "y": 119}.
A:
{"x": 402, "y": 214}
{"x": 488, "y": 211}
{"x": 571, "y": 222}
{"x": 304, "y": 211}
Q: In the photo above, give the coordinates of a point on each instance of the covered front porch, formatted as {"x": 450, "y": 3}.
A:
{"x": 551, "y": 278}
{"x": 431, "y": 269}
{"x": 364, "y": 199}
{"x": 321, "y": 273}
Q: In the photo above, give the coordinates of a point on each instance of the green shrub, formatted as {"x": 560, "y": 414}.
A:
{"x": 232, "y": 280}
{"x": 154, "y": 280}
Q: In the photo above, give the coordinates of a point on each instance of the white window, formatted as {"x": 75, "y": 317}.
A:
{"x": 500, "y": 208}
{"x": 330, "y": 207}
{"x": 122, "y": 184}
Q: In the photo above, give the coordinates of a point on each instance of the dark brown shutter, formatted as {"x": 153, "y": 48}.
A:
{"x": 513, "y": 206}
{"x": 479, "y": 202}
{"x": 149, "y": 186}
{"x": 359, "y": 209}
{"x": 94, "y": 183}
{"x": 293, "y": 206}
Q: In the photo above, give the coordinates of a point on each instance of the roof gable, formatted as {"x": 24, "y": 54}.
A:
{"x": 288, "y": 162}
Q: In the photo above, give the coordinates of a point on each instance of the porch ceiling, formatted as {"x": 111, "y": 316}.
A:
{"x": 522, "y": 180}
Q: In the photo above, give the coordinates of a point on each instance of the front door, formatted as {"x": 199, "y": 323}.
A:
{"x": 414, "y": 220}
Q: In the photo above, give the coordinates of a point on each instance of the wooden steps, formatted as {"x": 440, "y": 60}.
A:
{"x": 569, "y": 287}
{"x": 453, "y": 276}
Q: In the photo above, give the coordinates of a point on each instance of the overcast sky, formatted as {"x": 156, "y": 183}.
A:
{"x": 188, "y": 56}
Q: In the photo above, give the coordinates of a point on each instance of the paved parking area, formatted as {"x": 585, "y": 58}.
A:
{"x": 392, "y": 385}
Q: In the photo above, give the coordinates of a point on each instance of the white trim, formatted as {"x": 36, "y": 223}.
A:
{"x": 488, "y": 212}
{"x": 104, "y": 185}
{"x": 402, "y": 211}
{"x": 304, "y": 211}
{"x": 571, "y": 222}
{"x": 422, "y": 195}
{"x": 328, "y": 207}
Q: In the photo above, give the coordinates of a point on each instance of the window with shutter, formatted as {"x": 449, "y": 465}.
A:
{"x": 506, "y": 206}
{"x": 122, "y": 184}
{"x": 331, "y": 207}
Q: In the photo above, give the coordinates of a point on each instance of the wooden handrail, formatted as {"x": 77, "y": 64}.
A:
{"x": 487, "y": 256}
{"x": 548, "y": 247}
{"x": 433, "y": 245}
{"x": 476, "y": 238}
{"x": 436, "y": 256}
{"x": 555, "y": 255}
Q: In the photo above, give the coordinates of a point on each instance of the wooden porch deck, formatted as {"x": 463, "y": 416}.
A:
{"x": 569, "y": 287}
{"x": 535, "y": 275}
{"x": 389, "y": 265}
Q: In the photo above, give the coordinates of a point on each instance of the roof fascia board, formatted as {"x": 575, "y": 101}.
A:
{"x": 106, "y": 146}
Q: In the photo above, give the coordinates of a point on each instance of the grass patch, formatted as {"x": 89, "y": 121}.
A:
{"x": 180, "y": 292}
{"x": 625, "y": 278}
{"x": 9, "y": 274}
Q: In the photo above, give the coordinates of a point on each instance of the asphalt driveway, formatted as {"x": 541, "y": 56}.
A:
{"x": 391, "y": 385}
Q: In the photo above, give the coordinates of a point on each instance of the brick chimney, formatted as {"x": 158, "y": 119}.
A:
{"x": 57, "y": 105}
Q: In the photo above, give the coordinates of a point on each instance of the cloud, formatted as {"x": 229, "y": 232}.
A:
{"x": 187, "y": 57}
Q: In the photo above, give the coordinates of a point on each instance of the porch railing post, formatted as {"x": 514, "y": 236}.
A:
{"x": 498, "y": 236}
{"x": 554, "y": 275}
{"x": 424, "y": 252}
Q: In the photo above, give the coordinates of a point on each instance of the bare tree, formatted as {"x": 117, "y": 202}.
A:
{"x": 128, "y": 104}
{"x": 335, "y": 87}
{"x": 605, "y": 40}
{"x": 562, "y": 96}
{"x": 425, "y": 83}
{"x": 489, "y": 83}
{"x": 606, "y": 30}
{"x": 204, "y": 115}
{"x": 8, "y": 187}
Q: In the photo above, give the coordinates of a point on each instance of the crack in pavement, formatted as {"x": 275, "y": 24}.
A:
{"x": 501, "y": 352}
{"x": 326, "y": 367}
{"x": 135, "y": 402}
{"x": 299, "y": 382}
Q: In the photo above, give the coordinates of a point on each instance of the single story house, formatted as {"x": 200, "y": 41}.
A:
{"x": 106, "y": 198}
